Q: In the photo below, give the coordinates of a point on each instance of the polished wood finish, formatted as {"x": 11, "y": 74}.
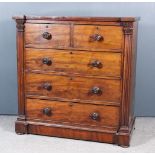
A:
{"x": 76, "y": 77}
{"x": 73, "y": 113}
{"x": 79, "y": 61}
{"x": 83, "y": 37}
{"x": 86, "y": 19}
{"x": 20, "y": 67}
{"x": 72, "y": 87}
{"x": 35, "y": 35}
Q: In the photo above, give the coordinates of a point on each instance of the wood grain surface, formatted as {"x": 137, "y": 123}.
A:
{"x": 77, "y": 62}
{"x": 60, "y": 35}
{"x": 73, "y": 113}
{"x": 72, "y": 87}
{"x": 76, "y": 77}
{"x": 112, "y": 37}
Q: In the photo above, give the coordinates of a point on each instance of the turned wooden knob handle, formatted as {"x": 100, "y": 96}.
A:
{"x": 47, "y": 86}
{"x": 47, "y": 111}
{"x": 96, "y": 90}
{"x": 96, "y": 37}
{"x": 95, "y": 116}
{"x": 47, "y": 61}
{"x": 47, "y": 35}
{"x": 99, "y": 38}
{"x": 96, "y": 64}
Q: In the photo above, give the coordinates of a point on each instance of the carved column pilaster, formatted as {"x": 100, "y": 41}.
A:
{"x": 125, "y": 122}
{"x": 20, "y": 66}
{"x": 127, "y": 28}
{"x": 127, "y": 71}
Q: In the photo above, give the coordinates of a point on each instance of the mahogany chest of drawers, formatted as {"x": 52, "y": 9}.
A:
{"x": 76, "y": 77}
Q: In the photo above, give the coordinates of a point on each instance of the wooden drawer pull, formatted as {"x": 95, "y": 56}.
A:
{"x": 47, "y": 61}
{"x": 96, "y": 37}
{"x": 47, "y": 111}
{"x": 96, "y": 64}
{"x": 47, "y": 35}
{"x": 95, "y": 116}
{"x": 47, "y": 86}
{"x": 96, "y": 90}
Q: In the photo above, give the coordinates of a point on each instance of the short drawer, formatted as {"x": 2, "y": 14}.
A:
{"x": 47, "y": 35}
{"x": 65, "y": 112}
{"x": 72, "y": 87}
{"x": 91, "y": 37}
{"x": 78, "y": 62}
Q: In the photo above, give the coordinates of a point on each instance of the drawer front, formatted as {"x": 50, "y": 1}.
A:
{"x": 56, "y": 86}
{"x": 95, "y": 38}
{"x": 65, "y": 112}
{"x": 47, "y": 35}
{"x": 78, "y": 62}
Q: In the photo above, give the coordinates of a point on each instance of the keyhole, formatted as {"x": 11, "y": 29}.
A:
{"x": 97, "y": 28}
{"x": 71, "y": 104}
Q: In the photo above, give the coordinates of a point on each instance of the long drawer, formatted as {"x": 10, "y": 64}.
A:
{"x": 73, "y": 87}
{"x": 64, "y": 112}
{"x": 78, "y": 62}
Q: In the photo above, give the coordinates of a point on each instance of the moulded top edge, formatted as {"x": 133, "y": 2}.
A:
{"x": 76, "y": 18}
